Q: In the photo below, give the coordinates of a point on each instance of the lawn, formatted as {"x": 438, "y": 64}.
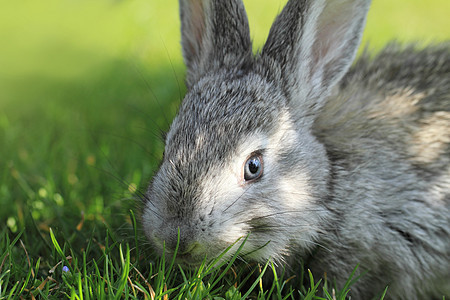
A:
{"x": 86, "y": 88}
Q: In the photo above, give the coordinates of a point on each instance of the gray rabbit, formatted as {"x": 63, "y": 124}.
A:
{"x": 311, "y": 157}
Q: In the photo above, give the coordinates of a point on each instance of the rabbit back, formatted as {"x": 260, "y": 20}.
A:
{"x": 386, "y": 130}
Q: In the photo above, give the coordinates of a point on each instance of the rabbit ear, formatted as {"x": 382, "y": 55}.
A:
{"x": 214, "y": 34}
{"x": 314, "y": 43}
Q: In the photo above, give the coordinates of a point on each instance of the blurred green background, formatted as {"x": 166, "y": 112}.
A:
{"x": 87, "y": 86}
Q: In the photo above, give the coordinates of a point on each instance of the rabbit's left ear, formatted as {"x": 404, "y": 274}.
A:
{"x": 214, "y": 34}
{"x": 314, "y": 43}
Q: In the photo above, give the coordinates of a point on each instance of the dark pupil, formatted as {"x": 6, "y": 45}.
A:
{"x": 253, "y": 166}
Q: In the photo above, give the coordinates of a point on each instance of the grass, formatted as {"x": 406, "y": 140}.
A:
{"x": 110, "y": 269}
{"x": 85, "y": 89}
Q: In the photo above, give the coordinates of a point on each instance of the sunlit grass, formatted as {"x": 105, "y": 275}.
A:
{"x": 85, "y": 89}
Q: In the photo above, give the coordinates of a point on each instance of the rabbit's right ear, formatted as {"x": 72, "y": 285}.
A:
{"x": 313, "y": 43}
{"x": 214, "y": 34}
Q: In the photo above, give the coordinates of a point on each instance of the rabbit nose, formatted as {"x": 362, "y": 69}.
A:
{"x": 179, "y": 235}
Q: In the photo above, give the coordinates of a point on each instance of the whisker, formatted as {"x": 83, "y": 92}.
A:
{"x": 289, "y": 226}
{"x": 282, "y": 213}
{"x": 173, "y": 70}
{"x": 152, "y": 93}
{"x": 137, "y": 193}
{"x": 237, "y": 199}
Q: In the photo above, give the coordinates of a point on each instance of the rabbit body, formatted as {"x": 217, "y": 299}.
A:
{"x": 310, "y": 158}
{"x": 386, "y": 130}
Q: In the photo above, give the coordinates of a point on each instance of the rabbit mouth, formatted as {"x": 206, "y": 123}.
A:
{"x": 188, "y": 260}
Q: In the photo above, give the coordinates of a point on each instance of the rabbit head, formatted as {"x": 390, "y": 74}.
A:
{"x": 240, "y": 157}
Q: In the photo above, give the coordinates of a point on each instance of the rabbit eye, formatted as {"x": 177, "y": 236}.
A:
{"x": 253, "y": 168}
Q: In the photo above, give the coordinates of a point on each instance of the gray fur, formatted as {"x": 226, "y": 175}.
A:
{"x": 356, "y": 160}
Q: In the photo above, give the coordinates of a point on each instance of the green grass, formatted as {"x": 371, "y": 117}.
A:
{"x": 85, "y": 89}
